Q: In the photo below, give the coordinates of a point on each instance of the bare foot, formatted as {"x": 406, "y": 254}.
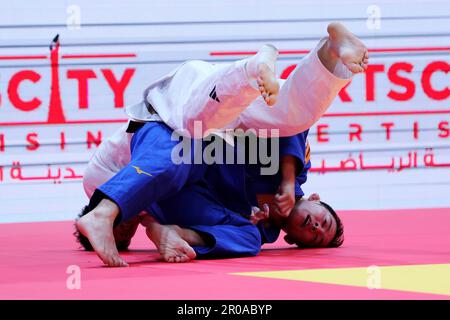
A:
{"x": 345, "y": 45}
{"x": 169, "y": 242}
{"x": 97, "y": 226}
{"x": 262, "y": 68}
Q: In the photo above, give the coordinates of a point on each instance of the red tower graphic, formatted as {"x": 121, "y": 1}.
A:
{"x": 55, "y": 109}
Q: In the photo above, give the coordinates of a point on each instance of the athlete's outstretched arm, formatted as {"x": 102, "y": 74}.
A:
{"x": 311, "y": 88}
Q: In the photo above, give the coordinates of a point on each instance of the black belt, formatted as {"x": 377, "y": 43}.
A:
{"x": 134, "y": 126}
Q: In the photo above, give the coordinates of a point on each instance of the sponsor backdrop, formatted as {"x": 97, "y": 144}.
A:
{"x": 384, "y": 143}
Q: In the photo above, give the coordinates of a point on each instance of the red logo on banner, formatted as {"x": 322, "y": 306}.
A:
{"x": 56, "y": 114}
{"x": 55, "y": 110}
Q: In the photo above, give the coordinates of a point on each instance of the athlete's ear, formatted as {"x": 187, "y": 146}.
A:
{"x": 288, "y": 239}
{"x": 314, "y": 197}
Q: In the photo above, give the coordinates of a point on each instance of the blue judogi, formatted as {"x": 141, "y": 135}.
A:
{"x": 218, "y": 206}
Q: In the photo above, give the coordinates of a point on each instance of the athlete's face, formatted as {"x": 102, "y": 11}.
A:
{"x": 310, "y": 224}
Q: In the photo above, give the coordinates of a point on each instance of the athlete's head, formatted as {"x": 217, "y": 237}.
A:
{"x": 312, "y": 224}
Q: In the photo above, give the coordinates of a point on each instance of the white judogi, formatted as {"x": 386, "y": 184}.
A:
{"x": 184, "y": 96}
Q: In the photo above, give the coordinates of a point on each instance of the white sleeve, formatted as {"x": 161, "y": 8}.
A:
{"x": 200, "y": 92}
{"x": 304, "y": 97}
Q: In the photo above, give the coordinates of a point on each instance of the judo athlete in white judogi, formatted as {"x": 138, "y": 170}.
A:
{"x": 219, "y": 97}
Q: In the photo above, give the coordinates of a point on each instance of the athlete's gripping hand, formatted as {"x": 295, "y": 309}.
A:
{"x": 285, "y": 199}
{"x": 258, "y": 214}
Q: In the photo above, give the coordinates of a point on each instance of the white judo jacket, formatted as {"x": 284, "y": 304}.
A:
{"x": 222, "y": 97}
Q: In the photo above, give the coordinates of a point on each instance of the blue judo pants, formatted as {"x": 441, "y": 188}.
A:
{"x": 196, "y": 207}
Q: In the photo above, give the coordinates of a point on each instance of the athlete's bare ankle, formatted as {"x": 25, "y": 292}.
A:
{"x": 152, "y": 229}
{"x": 192, "y": 237}
{"x": 328, "y": 54}
{"x": 106, "y": 209}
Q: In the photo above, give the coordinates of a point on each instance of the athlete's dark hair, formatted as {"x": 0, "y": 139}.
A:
{"x": 338, "y": 238}
{"x": 81, "y": 239}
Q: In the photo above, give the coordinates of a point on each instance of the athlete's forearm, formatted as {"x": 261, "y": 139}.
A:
{"x": 288, "y": 169}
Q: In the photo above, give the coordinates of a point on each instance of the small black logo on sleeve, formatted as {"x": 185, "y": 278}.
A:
{"x": 213, "y": 94}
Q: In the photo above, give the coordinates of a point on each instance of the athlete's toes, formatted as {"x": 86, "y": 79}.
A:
{"x": 184, "y": 259}
{"x": 190, "y": 253}
{"x": 355, "y": 67}
{"x": 117, "y": 262}
{"x": 271, "y": 100}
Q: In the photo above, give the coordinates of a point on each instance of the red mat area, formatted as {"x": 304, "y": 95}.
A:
{"x": 35, "y": 256}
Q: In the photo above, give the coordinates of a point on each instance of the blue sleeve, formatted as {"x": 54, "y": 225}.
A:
{"x": 298, "y": 147}
{"x": 294, "y": 146}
